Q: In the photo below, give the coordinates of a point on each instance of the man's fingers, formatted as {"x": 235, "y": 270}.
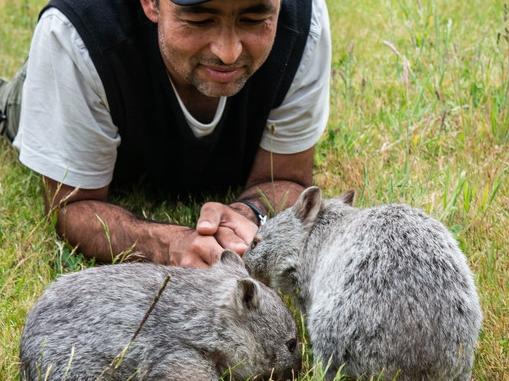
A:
{"x": 246, "y": 230}
{"x": 210, "y": 218}
{"x": 207, "y": 248}
{"x": 194, "y": 250}
{"x": 184, "y": 259}
{"x": 195, "y": 262}
{"x": 214, "y": 215}
{"x": 228, "y": 239}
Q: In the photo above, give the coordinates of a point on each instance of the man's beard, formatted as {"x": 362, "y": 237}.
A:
{"x": 214, "y": 89}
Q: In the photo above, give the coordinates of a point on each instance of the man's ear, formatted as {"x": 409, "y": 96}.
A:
{"x": 246, "y": 295}
{"x": 151, "y": 9}
{"x": 308, "y": 206}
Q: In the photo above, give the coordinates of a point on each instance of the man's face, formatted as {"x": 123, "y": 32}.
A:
{"x": 216, "y": 46}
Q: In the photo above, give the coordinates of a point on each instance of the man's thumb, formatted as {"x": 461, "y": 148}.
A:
{"x": 210, "y": 217}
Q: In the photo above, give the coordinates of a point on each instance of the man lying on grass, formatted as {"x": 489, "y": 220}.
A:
{"x": 180, "y": 97}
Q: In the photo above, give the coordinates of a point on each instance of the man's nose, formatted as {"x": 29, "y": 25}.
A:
{"x": 227, "y": 46}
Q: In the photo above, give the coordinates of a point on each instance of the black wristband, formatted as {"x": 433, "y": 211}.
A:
{"x": 260, "y": 216}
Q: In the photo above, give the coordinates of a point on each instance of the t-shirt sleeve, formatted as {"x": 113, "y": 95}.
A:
{"x": 66, "y": 132}
{"x": 302, "y": 117}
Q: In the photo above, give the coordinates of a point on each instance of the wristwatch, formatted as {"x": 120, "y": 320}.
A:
{"x": 260, "y": 216}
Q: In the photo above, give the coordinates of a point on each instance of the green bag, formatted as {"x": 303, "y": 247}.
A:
{"x": 10, "y": 103}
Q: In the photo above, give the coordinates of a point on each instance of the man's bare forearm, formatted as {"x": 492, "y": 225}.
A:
{"x": 103, "y": 231}
{"x": 276, "y": 181}
{"x": 271, "y": 197}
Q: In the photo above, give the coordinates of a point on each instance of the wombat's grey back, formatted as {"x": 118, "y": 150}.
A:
{"x": 86, "y": 319}
{"x": 404, "y": 298}
{"x": 73, "y": 310}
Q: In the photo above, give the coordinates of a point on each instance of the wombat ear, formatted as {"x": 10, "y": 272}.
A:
{"x": 308, "y": 206}
{"x": 247, "y": 297}
{"x": 347, "y": 197}
{"x": 229, "y": 258}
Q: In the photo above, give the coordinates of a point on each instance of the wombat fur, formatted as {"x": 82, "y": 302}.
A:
{"x": 205, "y": 322}
{"x": 384, "y": 289}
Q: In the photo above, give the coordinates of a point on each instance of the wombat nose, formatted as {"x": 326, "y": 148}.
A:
{"x": 289, "y": 374}
{"x": 297, "y": 365}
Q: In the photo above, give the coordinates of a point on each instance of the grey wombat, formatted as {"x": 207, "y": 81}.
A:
{"x": 385, "y": 289}
{"x": 205, "y": 322}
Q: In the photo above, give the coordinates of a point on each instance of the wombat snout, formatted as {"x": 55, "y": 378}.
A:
{"x": 288, "y": 374}
{"x": 291, "y": 373}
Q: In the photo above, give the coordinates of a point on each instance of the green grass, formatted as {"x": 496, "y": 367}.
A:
{"x": 420, "y": 114}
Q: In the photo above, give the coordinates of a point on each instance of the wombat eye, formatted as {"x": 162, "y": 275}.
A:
{"x": 255, "y": 242}
{"x": 292, "y": 345}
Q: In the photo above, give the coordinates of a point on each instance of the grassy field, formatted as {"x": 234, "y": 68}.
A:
{"x": 420, "y": 114}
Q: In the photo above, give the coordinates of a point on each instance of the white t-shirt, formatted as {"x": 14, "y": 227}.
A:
{"x": 66, "y": 132}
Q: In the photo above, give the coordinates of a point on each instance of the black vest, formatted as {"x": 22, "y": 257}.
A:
{"x": 158, "y": 149}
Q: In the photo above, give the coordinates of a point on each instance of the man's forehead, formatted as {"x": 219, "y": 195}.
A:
{"x": 191, "y": 2}
{"x": 235, "y": 7}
